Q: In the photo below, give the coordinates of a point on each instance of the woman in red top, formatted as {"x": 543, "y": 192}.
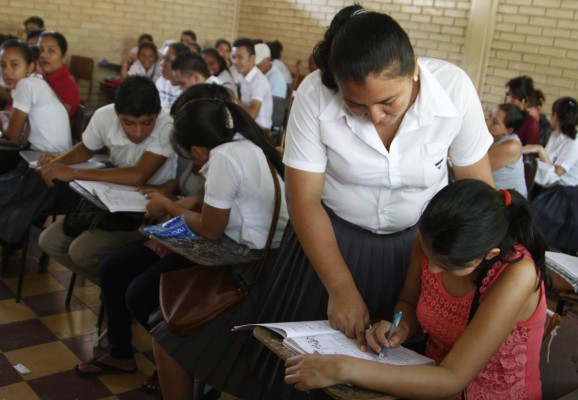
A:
{"x": 518, "y": 92}
{"x": 476, "y": 246}
{"x": 53, "y": 48}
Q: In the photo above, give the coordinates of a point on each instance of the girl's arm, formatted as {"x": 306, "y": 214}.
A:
{"x": 512, "y": 298}
{"x": 479, "y": 170}
{"x": 504, "y": 154}
{"x": 136, "y": 175}
{"x": 15, "y": 124}
{"x": 540, "y": 152}
{"x": 346, "y": 309}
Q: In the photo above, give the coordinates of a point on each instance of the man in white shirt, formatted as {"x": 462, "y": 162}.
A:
{"x": 168, "y": 88}
{"x": 191, "y": 69}
{"x": 256, "y": 96}
{"x": 273, "y": 75}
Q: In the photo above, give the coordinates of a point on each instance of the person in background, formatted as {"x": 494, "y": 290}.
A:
{"x": 505, "y": 154}
{"x": 255, "y": 90}
{"x": 367, "y": 144}
{"x": 53, "y": 49}
{"x": 168, "y": 88}
{"x": 32, "y": 36}
{"x": 276, "y": 49}
{"x": 190, "y": 69}
{"x": 534, "y": 106}
{"x": 193, "y": 46}
{"x": 135, "y": 131}
{"x": 518, "y": 90}
{"x": 147, "y": 63}
{"x": 555, "y": 208}
{"x": 32, "y": 23}
{"x": 475, "y": 284}
{"x": 273, "y": 75}
{"x": 298, "y": 77}
{"x": 217, "y": 67}
{"x": 133, "y": 53}
{"x": 225, "y": 50}
{"x": 188, "y": 36}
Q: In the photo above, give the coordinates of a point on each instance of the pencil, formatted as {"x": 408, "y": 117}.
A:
{"x": 60, "y": 157}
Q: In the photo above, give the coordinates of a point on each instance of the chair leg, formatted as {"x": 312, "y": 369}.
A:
{"x": 70, "y": 289}
{"x": 199, "y": 389}
{"x": 43, "y": 262}
{"x": 99, "y": 334}
{"x": 560, "y": 306}
{"x": 23, "y": 257}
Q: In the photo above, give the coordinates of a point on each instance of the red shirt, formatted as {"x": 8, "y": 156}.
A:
{"x": 65, "y": 88}
{"x": 529, "y": 132}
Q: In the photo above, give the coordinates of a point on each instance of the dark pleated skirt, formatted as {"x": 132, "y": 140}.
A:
{"x": 378, "y": 264}
{"x": 555, "y": 212}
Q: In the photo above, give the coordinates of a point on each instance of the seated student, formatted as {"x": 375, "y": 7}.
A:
{"x": 475, "y": 285}
{"x": 32, "y": 36}
{"x": 146, "y": 64}
{"x": 190, "y": 69}
{"x": 505, "y": 153}
{"x": 255, "y": 90}
{"x": 276, "y": 49}
{"x": 166, "y": 84}
{"x": 30, "y": 23}
{"x": 273, "y": 75}
{"x": 518, "y": 90}
{"x": 238, "y": 202}
{"x": 135, "y": 269}
{"x": 193, "y": 46}
{"x": 133, "y": 53}
{"x": 534, "y": 107}
{"x": 224, "y": 48}
{"x": 53, "y": 52}
{"x": 555, "y": 209}
{"x": 23, "y": 194}
{"x": 217, "y": 67}
{"x": 33, "y": 101}
{"x": 188, "y": 36}
{"x": 135, "y": 130}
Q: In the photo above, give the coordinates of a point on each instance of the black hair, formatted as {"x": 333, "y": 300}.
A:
{"x": 223, "y": 41}
{"x": 28, "y": 54}
{"x": 195, "y": 45}
{"x": 146, "y": 36}
{"x": 204, "y": 123}
{"x": 189, "y": 63}
{"x": 190, "y": 33}
{"x": 521, "y": 87}
{"x": 202, "y": 91}
{"x": 34, "y": 33}
{"x": 359, "y": 43}
{"x": 565, "y": 110}
{"x": 514, "y": 117}
{"x": 468, "y": 218}
{"x": 59, "y": 38}
{"x": 215, "y": 53}
{"x": 34, "y": 20}
{"x": 245, "y": 42}
{"x": 137, "y": 95}
{"x": 536, "y": 99}
{"x": 179, "y": 48}
{"x": 276, "y": 49}
{"x": 149, "y": 45}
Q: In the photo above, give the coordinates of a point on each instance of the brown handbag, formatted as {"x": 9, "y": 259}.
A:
{"x": 192, "y": 297}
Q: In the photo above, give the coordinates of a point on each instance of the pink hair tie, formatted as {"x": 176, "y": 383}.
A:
{"x": 507, "y": 196}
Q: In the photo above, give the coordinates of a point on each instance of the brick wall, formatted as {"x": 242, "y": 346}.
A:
{"x": 538, "y": 38}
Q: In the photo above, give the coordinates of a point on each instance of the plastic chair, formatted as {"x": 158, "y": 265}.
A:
{"x": 82, "y": 68}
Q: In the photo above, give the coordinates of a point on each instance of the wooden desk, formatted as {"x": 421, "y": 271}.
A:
{"x": 563, "y": 291}
{"x": 274, "y": 342}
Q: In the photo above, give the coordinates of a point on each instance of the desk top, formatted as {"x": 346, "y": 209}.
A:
{"x": 274, "y": 342}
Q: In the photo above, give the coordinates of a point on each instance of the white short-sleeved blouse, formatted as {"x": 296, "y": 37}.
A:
{"x": 380, "y": 190}
{"x": 563, "y": 152}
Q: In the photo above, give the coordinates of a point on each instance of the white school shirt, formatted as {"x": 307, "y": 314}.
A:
{"x": 280, "y": 65}
{"x": 153, "y": 73}
{"x": 238, "y": 178}
{"x": 379, "y": 190}
{"x": 563, "y": 151}
{"x": 255, "y": 86}
{"x": 167, "y": 92}
{"x": 105, "y": 129}
{"x": 47, "y": 116}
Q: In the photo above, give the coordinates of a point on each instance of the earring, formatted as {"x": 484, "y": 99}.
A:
{"x": 415, "y": 77}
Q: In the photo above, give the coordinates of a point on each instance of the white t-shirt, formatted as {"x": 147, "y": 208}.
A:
{"x": 105, "y": 129}
{"x": 255, "y": 86}
{"x": 238, "y": 178}
{"x": 167, "y": 92}
{"x": 380, "y": 190}
{"x": 153, "y": 73}
{"x": 47, "y": 116}
{"x": 280, "y": 65}
{"x": 563, "y": 152}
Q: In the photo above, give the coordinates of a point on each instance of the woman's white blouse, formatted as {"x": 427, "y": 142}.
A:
{"x": 563, "y": 152}
{"x": 380, "y": 190}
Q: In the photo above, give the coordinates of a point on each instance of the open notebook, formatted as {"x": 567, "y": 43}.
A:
{"x": 111, "y": 196}
{"x": 318, "y": 336}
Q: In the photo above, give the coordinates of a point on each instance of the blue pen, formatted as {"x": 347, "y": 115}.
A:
{"x": 392, "y": 328}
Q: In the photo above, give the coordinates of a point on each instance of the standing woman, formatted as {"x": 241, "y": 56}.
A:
{"x": 367, "y": 146}
{"x": 518, "y": 92}
{"x": 53, "y": 52}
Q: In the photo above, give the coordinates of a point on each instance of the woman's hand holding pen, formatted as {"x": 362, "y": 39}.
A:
{"x": 348, "y": 313}
{"x": 377, "y": 336}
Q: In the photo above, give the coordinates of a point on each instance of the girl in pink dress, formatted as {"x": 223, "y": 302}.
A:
{"x": 475, "y": 286}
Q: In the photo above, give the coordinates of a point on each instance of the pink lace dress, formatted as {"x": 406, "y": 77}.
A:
{"x": 512, "y": 373}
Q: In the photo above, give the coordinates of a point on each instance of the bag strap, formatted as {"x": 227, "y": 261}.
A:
{"x": 259, "y": 267}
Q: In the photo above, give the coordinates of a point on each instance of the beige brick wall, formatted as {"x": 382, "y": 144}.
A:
{"x": 538, "y": 38}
